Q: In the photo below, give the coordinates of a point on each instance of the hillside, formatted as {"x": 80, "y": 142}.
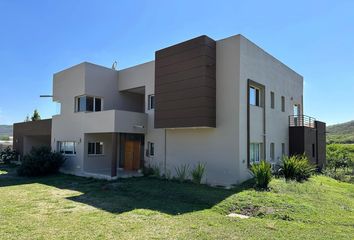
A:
{"x": 5, "y": 130}
{"x": 341, "y": 133}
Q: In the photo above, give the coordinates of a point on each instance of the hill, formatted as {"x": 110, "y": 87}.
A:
{"x": 341, "y": 133}
{"x": 5, "y": 130}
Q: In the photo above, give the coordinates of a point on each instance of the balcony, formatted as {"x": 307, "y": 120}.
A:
{"x": 114, "y": 121}
{"x": 301, "y": 121}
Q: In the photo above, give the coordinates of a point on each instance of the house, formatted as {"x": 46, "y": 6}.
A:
{"x": 225, "y": 103}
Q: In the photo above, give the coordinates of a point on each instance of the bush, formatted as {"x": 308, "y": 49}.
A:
{"x": 7, "y": 155}
{"x": 152, "y": 170}
{"x": 262, "y": 173}
{"x": 182, "y": 172}
{"x": 40, "y": 161}
{"x": 198, "y": 172}
{"x": 297, "y": 168}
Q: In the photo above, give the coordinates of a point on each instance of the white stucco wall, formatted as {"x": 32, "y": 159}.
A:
{"x": 261, "y": 67}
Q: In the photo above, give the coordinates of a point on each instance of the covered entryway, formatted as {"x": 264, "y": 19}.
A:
{"x": 110, "y": 155}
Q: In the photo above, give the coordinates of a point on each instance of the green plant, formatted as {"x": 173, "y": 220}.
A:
{"x": 7, "y": 155}
{"x": 198, "y": 172}
{"x": 40, "y": 161}
{"x": 262, "y": 173}
{"x": 296, "y": 167}
{"x": 35, "y": 116}
{"x": 152, "y": 170}
{"x": 182, "y": 172}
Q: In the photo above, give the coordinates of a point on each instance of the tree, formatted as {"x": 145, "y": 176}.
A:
{"x": 35, "y": 115}
{"x": 27, "y": 119}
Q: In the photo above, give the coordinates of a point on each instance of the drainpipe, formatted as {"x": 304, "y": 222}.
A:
{"x": 164, "y": 164}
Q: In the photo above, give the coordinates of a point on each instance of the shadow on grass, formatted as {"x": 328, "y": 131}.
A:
{"x": 124, "y": 195}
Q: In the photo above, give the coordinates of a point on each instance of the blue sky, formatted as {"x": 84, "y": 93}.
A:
{"x": 39, "y": 38}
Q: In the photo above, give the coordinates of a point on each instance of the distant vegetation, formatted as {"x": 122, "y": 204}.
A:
{"x": 341, "y": 133}
{"x": 5, "y": 131}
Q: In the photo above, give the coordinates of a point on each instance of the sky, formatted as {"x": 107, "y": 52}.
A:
{"x": 39, "y": 38}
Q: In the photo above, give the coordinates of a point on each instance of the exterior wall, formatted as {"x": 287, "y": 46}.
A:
{"x": 144, "y": 76}
{"x": 31, "y": 134}
{"x": 93, "y": 80}
{"x": 260, "y": 67}
{"x": 216, "y": 147}
{"x": 99, "y": 163}
{"x": 185, "y": 84}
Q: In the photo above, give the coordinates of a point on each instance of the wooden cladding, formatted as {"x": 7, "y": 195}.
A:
{"x": 185, "y": 84}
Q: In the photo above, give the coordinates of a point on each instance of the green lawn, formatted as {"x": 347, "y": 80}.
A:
{"x": 68, "y": 207}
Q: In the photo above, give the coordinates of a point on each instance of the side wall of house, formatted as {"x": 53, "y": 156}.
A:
{"x": 260, "y": 67}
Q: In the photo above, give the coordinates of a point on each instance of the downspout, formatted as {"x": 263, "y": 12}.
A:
{"x": 164, "y": 163}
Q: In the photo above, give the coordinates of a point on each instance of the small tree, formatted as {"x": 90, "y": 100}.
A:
{"x": 35, "y": 116}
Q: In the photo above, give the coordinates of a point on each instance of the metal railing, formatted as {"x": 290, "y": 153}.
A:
{"x": 301, "y": 121}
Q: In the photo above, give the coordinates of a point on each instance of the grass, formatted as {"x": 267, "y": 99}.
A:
{"x": 68, "y": 207}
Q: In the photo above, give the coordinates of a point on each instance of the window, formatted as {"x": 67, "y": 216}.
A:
{"x": 282, "y": 103}
{"x": 283, "y": 149}
{"x": 88, "y": 104}
{"x": 255, "y": 152}
{"x": 95, "y": 148}
{"x": 254, "y": 97}
{"x": 67, "y": 148}
{"x": 272, "y": 151}
{"x": 151, "y": 148}
{"x": 272, "y": 100}
{"x": 151, "y": 102}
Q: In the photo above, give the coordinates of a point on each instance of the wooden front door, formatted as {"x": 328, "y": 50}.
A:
{"x": 132, "y": 155}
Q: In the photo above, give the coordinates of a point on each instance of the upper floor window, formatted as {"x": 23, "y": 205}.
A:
{"x": 272, "y": 100}
{"x": 88, "y": 104}
{"x": 282, "y": 103}
{"x": 66, "y": 147}
{"x": 254, "y": 96}
{"x": 151, "y": 102}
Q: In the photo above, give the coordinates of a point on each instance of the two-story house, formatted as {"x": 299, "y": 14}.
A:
{"x": 225, "y": 103}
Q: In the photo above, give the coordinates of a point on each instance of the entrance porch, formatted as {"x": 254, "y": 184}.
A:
{"x": 113, "y": 155}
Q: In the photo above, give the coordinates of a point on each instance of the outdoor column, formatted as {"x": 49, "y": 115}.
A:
{"x": 114, "y": 154}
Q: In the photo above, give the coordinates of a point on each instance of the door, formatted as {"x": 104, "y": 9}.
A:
{"x": 132, "y": 155}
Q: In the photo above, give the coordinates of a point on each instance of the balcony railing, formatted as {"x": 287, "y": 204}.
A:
{"x": 301, "y": 121}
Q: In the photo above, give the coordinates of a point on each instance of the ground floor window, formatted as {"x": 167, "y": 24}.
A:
{"x": 95, "y": 148}
{"x": 67, "y": 148}
{"x": 255, "y": 152}
{"x": 151, "y": 148}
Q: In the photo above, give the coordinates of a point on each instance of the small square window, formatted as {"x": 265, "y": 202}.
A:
{"x": 95, "y": 148}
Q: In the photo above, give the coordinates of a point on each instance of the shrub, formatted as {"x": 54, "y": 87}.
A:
{"x": 182, "y": 172}
{"x": 40, "y": 161}
{"x": 152, "y": 170}
{"x": 198, "y": 172}
{"x": 7, "y": 155}
{"x": 296, "y": 167}
{"x": 262, "y": 173}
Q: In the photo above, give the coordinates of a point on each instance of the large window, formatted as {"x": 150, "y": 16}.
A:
{"x": 272, "y": 150}
{"x": 66, "y": 147}
{"x": 151, "y": 102}
{"x": 88, "y": 104}
{"x": 95, "y": 148}
{"x": 151, "y": 149}
{"x": 255, "y": 152}
{"x": 255, "y": 96}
